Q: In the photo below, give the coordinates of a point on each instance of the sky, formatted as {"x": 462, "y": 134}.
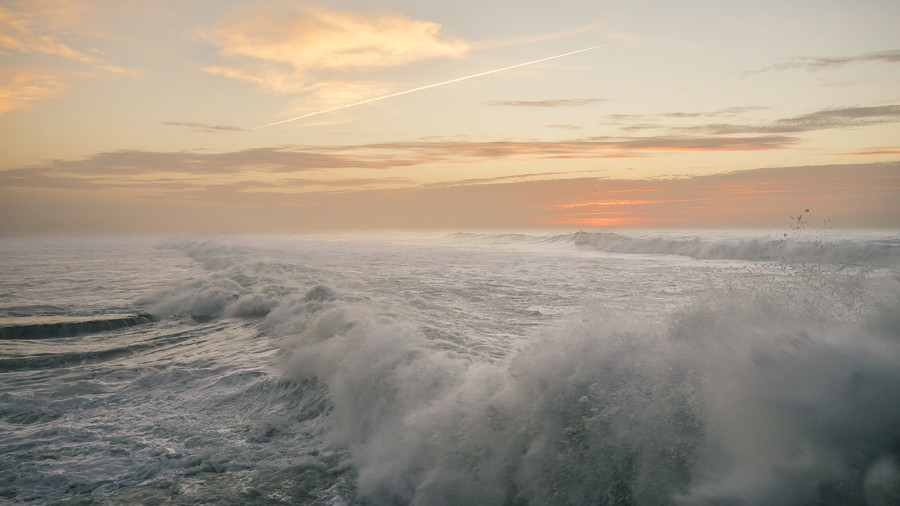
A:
{"x": 274, "y": 116}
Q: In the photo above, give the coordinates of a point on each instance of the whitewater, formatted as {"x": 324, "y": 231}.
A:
{"x": 635, "y": 367}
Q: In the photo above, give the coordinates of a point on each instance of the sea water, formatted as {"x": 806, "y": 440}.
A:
{"x": 461, "y": 368}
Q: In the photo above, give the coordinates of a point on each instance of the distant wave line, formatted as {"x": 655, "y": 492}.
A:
{"x": 426, "y": 87}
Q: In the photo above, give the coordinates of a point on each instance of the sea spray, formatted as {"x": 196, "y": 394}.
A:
{"x": 744, "y": 400}
{"x": 579, "y": 416}
{"x": 739, "y": 397}
{"x": 797, "y": 410}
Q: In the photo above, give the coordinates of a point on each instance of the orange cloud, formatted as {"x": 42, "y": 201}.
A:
{"x": 17, "y": 34}
{"x": 874, "y": 151}
{"x": 292, "y": 50}
{"x": 28, "y": 29}
{"x": 21, "y": 90}
{"x": 25, "y": 31}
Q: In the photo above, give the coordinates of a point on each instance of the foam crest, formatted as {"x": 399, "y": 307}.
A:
{"x": 797, "y": 411}
{"x": 742, "y": 402}
{"x": 574, "y": 417}
{"x": 234, "y": 287}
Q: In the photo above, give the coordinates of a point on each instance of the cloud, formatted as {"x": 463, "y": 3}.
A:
{"x": 28, "y": 29}
{"x": 140, "y": 168}
{"x": 560, "y": 102}
{"x": 204, "y": 127}
{"x": 295, "y": 49}
{"x": 566, "y": 126}
{"x": 692, "y": 143}
{"x": 25, "y": 31}
{"x": 587, "y": 148}
{"x": 876, "y": 151}
{"x": 824, "y": 63}
{"x": 56, "y": 15}
{"x": 19, "y": 89}
{"x": 498, "y": 179}
{"x": 131, "y": 168}
{"x": 728, "y": 111}
{"x": 637, "y": 122}
{"x": 846, "y": 117}
{"x": 842, "y": 117}
{"x": 19, "y": 32}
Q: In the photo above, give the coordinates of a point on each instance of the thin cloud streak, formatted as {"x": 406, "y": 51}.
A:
{"x": 846, "y": 117}
{"x": 824, "y": 63}
{"x": 427, "y": 87}
{"x": 204, "y": 127}
{"x": 728, "y": 111}
{"x": 875, "y": 151}
{"x": 592, "y": 147}
{"x": 560, "y": 102}
{"x": 497, "y": 179}
{"x": 826, "y": 119}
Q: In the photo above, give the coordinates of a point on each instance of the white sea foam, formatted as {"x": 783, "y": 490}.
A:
{"x": 740, "y": 402}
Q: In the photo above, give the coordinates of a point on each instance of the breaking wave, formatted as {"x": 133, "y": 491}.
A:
{"x": 795, "y": 247}
{"x": 787, "y": 395}
{"x": 841, "y": 252}
{"x": 739, "y": 402}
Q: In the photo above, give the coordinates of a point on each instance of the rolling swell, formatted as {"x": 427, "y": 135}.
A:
{"x": 71, "y": 358}
{"x": 47, "y": 327}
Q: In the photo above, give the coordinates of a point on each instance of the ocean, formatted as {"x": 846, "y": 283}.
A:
{"x": 636, "y": 367}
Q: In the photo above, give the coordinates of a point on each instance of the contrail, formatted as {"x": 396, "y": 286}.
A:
{"x": 426, "y": 87}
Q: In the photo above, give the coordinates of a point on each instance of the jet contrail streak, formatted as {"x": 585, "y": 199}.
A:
{"x": 426, "y": 87}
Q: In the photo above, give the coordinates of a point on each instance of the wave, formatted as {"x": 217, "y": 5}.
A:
{"x": 786, "y": 249}
{"x": 46, "y": 327}
{"x": 788, "y": 397}
{"x": 510, "y": 238}
{"x": 798, "y": 247}
{"x": 67, "y": 356}
{"x": 744, "y": 401}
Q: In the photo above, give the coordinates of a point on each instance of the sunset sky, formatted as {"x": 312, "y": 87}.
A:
{"x": 169, "y": 116}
